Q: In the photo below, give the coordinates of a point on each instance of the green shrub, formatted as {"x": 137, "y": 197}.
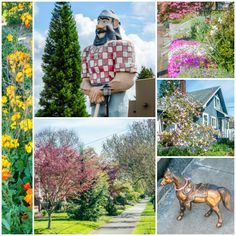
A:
{"x": 198, "y": 30}
{"x": 111, "y": 208}
{"x": 89, "y": 205}
{"x": 173, "y": 151}
{"x": 44, "y": 212}
{"x": 221, "y": 40}
{"x": 206, "y": 73}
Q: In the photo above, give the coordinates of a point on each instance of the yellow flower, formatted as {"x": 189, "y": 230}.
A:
{"x": 10, "y": 37}
{"x": 4, "y": 110}
{"x": 20, "y": 5}
{"x": 16, "y": 116}
{"x": 29, "y": 101}
{"x": 8, "y": 142}
{"x": 5, "y": 163}
{"x": 13, "y": 125}
{"x": 19, "y": 77}
{"x": 26, "y": 124}
{"x": 26, "y": 18}
{"x": 4, "y": 99}
{"x": 28, "y": 147}
{"x": 10, "y": 90}
{"x": 28, "y": 70}
{"x": 4, "y": 157}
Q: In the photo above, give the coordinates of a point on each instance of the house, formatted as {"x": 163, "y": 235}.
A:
{"x": 213, "y": 110}
{"x": 144, "y": 103}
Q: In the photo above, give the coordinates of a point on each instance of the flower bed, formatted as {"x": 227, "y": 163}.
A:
{"x": 185, "y": 54}
{"x": 17, "y": 118}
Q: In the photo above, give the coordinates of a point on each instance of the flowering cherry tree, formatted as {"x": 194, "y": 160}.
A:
{"x": 180, "y": 111}
{"x": 60, "y": 172}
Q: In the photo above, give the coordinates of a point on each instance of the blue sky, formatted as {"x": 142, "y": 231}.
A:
{"x": 131, "y": 18}
{"x": 88, "y": 130}
{"x": 137, "y": 25}
{"x": 227, "y": 87}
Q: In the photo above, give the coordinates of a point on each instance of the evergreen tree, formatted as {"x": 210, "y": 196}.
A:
{"x": 61, "y": 96}
{"x": 145, "y": 73}
{"x": 167, "y": 87}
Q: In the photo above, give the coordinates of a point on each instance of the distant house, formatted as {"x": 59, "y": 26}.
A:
{"x": 213, "y": 111}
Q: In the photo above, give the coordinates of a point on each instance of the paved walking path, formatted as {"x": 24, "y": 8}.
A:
{"x": 124, "y": 223}
{"x": 219, "y": 171}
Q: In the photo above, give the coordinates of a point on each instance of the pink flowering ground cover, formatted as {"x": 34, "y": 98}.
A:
{"x": 185, "y": 54}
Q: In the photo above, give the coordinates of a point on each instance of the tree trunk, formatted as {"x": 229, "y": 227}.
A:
{"x": 49, "y": 220}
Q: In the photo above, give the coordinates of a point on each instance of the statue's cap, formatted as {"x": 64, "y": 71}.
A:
{"x": 109, "y": 14}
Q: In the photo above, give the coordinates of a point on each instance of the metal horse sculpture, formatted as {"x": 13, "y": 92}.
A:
{"x": 188, "y": 192}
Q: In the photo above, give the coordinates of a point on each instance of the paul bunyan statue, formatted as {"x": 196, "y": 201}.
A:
{"x": 108, "y": 68}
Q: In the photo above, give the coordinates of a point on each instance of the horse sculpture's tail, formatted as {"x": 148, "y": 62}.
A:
{"x": 225, "y": 195}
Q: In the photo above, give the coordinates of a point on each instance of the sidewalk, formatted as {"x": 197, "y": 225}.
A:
{"x": 219, "y": 171}
{"x": 124, "y": 223}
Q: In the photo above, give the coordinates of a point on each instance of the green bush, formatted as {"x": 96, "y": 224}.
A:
{"x": 221, "y": 40}
{"x": 172, "y": 151}
{"x": 206, "y": 73}
{"x": 44, "y": 212}
{"x": 111, "y": 208}
{"x": 89, "y": 205}
{"x": 198, "y": 30}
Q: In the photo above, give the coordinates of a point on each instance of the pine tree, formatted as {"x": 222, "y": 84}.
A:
{"x": 145, "y": 73}
{"x": 61, "y": 95}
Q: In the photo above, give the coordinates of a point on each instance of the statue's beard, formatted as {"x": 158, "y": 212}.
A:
{"x": 110, "y": 34}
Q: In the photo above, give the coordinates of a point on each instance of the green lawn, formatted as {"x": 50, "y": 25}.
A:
{"x": 146, "y": 224}
{"x": 61, "y": 224}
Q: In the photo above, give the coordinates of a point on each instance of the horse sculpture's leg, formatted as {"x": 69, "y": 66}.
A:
{"x": 181, "y": 212}
{"x": 209, "y": 212}
{"x": 218, "y": 213}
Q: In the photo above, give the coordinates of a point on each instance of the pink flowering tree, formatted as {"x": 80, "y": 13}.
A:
{"x": 60, "y": 172}
{"x": 181, "y": 130}
{"x": 177, "y": 10}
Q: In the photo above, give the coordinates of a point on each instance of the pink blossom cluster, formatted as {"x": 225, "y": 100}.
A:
{"x": 185, "y": 54}
{"x": 180, "y": 9}
{"x": 180, "y": 110}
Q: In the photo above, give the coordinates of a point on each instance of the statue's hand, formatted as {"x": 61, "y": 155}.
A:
{"x": 96, "y": 95}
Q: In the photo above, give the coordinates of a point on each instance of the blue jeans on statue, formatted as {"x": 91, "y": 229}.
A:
{"x": 118, "y": 106}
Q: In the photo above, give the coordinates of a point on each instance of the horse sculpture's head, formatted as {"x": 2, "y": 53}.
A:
{"x": 167, "y": 179}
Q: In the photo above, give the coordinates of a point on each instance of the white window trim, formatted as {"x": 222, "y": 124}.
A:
{"x": 222, "y": 125}
{"x": 203, "y": 114}
{"x": 213, "y": 117}
{"x": 216, "y": 97}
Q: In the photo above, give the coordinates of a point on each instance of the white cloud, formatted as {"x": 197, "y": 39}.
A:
{"x": 86, "y": 29}
{"x": 39, "y": 41}
{"x": 149, "y": 28}
{"x": 145, "y": 9}
{"x": 36, "y": 9}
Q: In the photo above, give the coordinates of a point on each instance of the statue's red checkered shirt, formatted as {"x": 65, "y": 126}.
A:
{"x": 101, "y": 63}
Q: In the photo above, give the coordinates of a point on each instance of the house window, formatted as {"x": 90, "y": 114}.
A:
{"x": 213, "y": 122}
{"x": 205, "y": 118}
{"x": 217, "y": 102}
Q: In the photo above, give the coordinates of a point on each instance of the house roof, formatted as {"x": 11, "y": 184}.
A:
{"x": 204, "y": 95}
